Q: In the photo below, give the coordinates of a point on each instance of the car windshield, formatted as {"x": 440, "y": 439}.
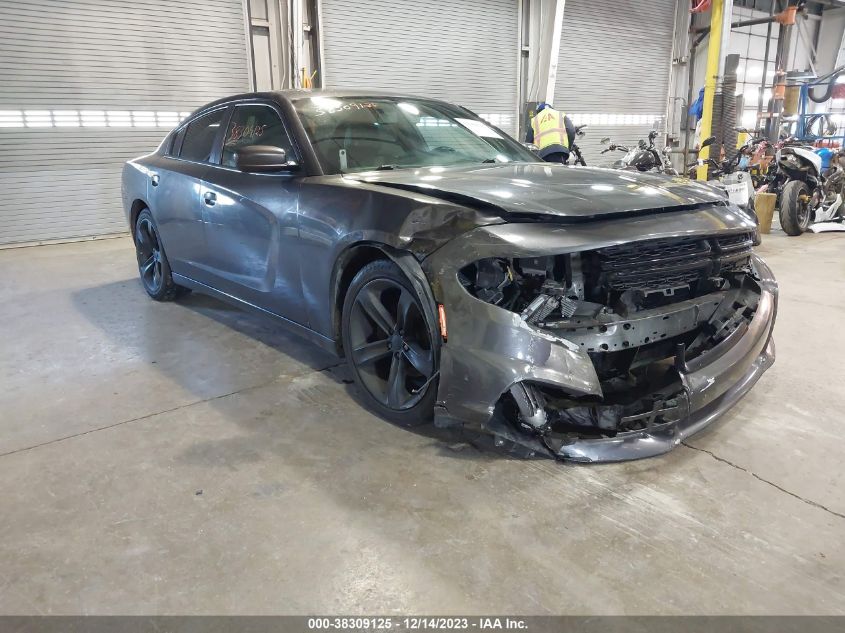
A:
{"x": 362, "y": 134}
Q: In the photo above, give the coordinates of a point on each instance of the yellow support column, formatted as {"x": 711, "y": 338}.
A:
{"x": 711, "y": 75}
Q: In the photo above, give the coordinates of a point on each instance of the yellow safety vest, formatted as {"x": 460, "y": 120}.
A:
{"x": 549, "y": 129}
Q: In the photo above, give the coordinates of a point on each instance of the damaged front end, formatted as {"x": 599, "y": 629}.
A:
{"x": 606, "y": 341}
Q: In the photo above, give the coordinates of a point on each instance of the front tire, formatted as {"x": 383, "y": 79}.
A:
{"x": 153, "y": 267}
{"x": 389, "y": 345}
{"x": 795, "y": 212}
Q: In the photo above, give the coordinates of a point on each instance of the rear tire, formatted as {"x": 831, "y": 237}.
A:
{"x": 153, "y": 266}
{"x": 794, "y": 214}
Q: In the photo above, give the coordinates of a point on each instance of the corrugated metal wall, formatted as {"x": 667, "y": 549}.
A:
{"x": 87, "y": 84}
{"x": 613, "y": 69}
{"x": 464, "y": 51}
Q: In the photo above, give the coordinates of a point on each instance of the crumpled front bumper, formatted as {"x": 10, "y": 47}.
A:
{"x": 490, "y": 349}
{"x": 661, "y": 439}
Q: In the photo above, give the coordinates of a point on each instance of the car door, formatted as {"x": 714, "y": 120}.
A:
{"x": 174, "y": 190}
{"x": 251, "y": 227}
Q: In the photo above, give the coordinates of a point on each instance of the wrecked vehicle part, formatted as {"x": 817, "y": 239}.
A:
{"x": 417, "y": 226}
{"x": 604, "y": 341}
{"x": 531, "y": 405}
{"x": 347, "y": 211}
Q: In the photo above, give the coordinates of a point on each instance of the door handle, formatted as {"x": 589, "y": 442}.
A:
{"x": 154, "y": 180}
{"x": 210, "y": 198}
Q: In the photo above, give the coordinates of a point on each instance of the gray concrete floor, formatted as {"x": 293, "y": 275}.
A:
{"x": 191, "y": 458}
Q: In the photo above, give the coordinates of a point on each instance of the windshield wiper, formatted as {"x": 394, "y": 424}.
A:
{"x": 385, "y": 167}
{"x": 489, "y": 160}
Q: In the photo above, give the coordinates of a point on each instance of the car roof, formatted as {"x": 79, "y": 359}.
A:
{"x": 289, "y": 95}
{"x": 300, "y": 93}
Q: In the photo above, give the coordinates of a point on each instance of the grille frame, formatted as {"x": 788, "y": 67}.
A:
{"x": 652, "y": 265}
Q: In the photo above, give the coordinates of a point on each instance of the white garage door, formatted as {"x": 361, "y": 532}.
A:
{"x": 613, "y": 69}
{"x": 463, "y": 51}
{"x": 87, "y": 84}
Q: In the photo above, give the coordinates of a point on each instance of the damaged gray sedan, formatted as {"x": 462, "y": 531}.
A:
{"x": 582, "y": 314}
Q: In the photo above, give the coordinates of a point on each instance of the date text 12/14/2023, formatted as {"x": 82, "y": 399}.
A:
{"x": 421, "y": 623}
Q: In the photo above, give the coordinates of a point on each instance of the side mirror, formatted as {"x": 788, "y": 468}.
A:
{"x": 263, "y": 159}
{"x": 708, "y": 141}
{"x": 531, "y": 148}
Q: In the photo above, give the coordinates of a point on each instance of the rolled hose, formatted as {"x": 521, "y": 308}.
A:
{"x": 824, "y": 124}
{"x": 829, "y": 91}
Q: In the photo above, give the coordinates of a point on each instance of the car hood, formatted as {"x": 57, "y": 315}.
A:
{"x": 545, "y": 189}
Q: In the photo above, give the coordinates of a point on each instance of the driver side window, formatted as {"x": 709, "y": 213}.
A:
{"x": 254, "y": 125}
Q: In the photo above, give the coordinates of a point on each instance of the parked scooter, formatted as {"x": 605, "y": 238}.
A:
{"x": 736, "y": 176}
{"x": 644, "y": 157}
{"x": 814, "y": 189}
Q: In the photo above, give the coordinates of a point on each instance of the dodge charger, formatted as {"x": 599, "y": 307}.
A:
{"x": 570, "y": 312}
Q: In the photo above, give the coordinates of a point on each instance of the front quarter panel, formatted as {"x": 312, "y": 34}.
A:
{"x": 336, "y": 214}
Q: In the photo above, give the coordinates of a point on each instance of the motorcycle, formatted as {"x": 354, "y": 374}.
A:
{"x": 738, "y": 177}
{"x": 814, "y": 188}
{"x": 775, "y": 178}
{"x": 643, "y": 157}
{"x": 575, "y": 150}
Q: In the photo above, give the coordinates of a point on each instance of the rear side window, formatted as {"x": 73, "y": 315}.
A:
{"x": 254, "y": 125}
{"x": 198, "y": 143}
{"x": 177, "y": 142}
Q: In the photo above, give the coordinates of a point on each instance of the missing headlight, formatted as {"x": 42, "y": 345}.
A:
{"x": 491, "y": 280}
{"x": 623, "y": 296}
{"x": 536, "y": 287}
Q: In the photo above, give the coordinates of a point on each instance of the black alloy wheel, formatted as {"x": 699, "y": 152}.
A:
{"x": 389, "y": 343}
{"x": 153, "y": 266}
{"x": 148, "y": 249}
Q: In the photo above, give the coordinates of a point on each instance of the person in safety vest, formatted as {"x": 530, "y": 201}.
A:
{"x": 552, "y": 132}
